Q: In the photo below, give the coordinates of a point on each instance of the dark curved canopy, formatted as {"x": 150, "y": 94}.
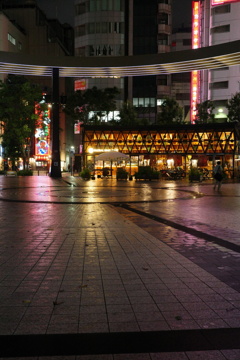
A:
{"x": 212, "y": 57}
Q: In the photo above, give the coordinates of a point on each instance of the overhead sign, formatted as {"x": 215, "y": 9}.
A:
{"x": 220, "y": 2}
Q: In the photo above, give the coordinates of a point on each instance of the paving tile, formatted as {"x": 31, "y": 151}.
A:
{"x": 94, "y": 268}
{"x": 169, "y": 356}
{"x": 205, "y": 355}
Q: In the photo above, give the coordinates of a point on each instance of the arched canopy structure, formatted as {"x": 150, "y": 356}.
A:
{"x": 213, "y": 57}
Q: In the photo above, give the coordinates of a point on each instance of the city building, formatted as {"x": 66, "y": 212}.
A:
{"x": 12, "y": 39}
{"x": 181, "y": 82}
{"x": 125, "y": 28}
{"x": 215, "y": 22}
{"x": 25, "y": 28}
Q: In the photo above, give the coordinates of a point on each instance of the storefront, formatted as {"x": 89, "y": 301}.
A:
{"x": 161, "y": 147}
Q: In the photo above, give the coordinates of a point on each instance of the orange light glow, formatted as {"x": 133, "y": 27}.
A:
{"x": 195, "y": 45}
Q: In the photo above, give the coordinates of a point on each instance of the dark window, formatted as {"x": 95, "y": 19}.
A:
{"x": 162, "y": 80}
{"x": 183, "y": 96}
{"x": 163, "y": 18}
{"x": 220, "y": 103}
{"x": 163, "y": 39}
{"x": 80, "y": 51}
{"x": 187, "y": 42}
{"x": 219, "y": 85}
{"x": 220, "y": 29}
{"x": 221, "y": 9}
{"x": 181, "y": 77}
{"x": 80, "y": 9}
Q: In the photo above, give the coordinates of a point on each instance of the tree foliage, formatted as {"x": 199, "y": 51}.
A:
{"x": 170, "y": 112}
{"x": 233, "y": 107}
{"x": 17, "y": 114}
{"x": 100, "y": 102}
{"x": 205, "y": 112}
{"x": 128, "y": 115}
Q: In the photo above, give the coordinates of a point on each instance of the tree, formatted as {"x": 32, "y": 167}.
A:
{"x": 18, "y": 116}
{"x": 128, "y": 115}
{"x": 170, "y": 112}
{"x": 233, "y": 107}
{"x": 96, "y": 101}
{"x": 205, "y": 112}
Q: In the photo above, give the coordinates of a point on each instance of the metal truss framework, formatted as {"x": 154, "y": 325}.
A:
{"x": 183, "y": 140}
{"x": 213, "y": 57}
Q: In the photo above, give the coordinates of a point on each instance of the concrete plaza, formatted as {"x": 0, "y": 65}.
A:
{"x": 122, "y": 270}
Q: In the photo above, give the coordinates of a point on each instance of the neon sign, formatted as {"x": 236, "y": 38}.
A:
{"x": 220, "y": 2}
{"x": 42, "y": 131}
{"x": 195, "y": 45}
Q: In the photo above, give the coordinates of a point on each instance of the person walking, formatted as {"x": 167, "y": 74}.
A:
{"x": 218, "y": 176}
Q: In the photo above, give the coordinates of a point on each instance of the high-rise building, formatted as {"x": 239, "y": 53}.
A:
{"x": 26, "y": 29}
{"x": 125, "y": 28}
{"x": 215, "y": 22}
{"x": 180, "y": 82}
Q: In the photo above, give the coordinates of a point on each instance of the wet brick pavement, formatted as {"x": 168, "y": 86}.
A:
{"x": 118, "y": 270}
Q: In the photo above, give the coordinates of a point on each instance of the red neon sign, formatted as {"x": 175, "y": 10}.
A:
{"x": 195, "y": 45}
{"x": 220, "y": 2}
{"x": 42, "y": 132}
{"x": 80, "y": 84}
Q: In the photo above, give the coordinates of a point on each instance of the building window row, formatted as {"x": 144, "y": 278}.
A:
{"x": 100, "y": 28}
{"x": 220, "y": 29}
{"x": 219, "y": 85}
{"x": 144, "y": 102}
{"x": 224, "y": 9}
{"x": 100, "y": 50}
{"x": 99, "y": 5}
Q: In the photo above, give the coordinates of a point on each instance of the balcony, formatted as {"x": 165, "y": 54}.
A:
{"x": 164, "y": 8}
{"x": 163, "y": 49}
{"x": 164, "y": 28}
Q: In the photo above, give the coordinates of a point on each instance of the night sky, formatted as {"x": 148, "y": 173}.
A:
{"x": 64, "y": 11}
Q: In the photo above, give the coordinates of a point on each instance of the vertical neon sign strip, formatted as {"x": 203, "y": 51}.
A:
{"x": 195, "y": 45}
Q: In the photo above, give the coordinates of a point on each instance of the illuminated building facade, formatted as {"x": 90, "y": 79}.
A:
{"x": 215, "y": 22}
{"x": 164, "y": 147}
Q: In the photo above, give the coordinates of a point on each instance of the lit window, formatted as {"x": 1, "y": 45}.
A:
{"x": 11, "y": 39}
